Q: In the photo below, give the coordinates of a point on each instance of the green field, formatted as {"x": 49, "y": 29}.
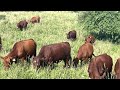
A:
{"x": 52, "y": 29}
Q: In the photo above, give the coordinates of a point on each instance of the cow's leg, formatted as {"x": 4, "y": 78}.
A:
{"x": 50, "y": 63}
{"x": 70, "y": 60}
{"x": 109, "y": 75}
{"x": 22, "y": 60}
{"x": 81, "y": 62}
{"x": 64, "y": 63}
{"x": 28, "y": 59}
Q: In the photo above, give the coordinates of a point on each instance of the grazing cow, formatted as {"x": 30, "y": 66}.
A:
{"x": 100, "y": 67}
{"x": 85, "y": 53}
{"x": 90, "y": 39}
{"x": 21, "y": 50}
{"x": 22, "y": 24}
{"x": 0, "y": 44}
{"x": 71, "y": 35}
{"x": 35, "y": 19}
{"x": 117, "y": 69}
{"x": 53, "y": 53}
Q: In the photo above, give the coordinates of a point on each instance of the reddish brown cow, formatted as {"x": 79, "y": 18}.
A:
{"x": 85, "y": 53}
{"x": 35, "y": 19}
{"x": 117, "y": 69}
{"x": 22, "y": 24}
{"x": 21, "y": 50}
{"x": 100, "y": 67}
{"x": 90, "y": 39}
{"x": 53, "y": 53}
{"x": 71, "y": 35}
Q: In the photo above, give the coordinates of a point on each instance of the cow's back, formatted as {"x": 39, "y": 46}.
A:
{"x": 85, "y": 50}
{"x": 56, "y": 51}
{"x": 108, "y": 61}
{"x": 25, "y": 46}
{"x": 29, "y": 45}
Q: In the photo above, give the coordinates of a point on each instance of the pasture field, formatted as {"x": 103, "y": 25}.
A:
{"x": 52, "y": 29}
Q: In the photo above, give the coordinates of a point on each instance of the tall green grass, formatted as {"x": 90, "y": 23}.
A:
{"x": 52, "y": 29}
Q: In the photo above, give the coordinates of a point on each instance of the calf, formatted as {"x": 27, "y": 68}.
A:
{"x": 117, "y": 69}
{"x": 21, "y": 50}
{"x": 85, "y": 53}
{"x": 53, "y": 53}
{"x": 22, "y": 24}
{"x": 90, "y": 39}
{"x": 100, "y": 67}
{"x": 71, "y": 35}
{"x": 35, "y": 19}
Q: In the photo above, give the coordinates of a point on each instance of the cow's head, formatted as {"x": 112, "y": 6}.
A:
{"x": 6, "y": 61}
{"x": 90, "y": 39}
{"x": 75, "y": 62}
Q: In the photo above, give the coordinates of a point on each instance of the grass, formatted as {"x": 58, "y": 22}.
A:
{"x": 52, "y": 29}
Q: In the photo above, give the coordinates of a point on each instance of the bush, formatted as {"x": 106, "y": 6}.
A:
{"x": 103, "y": 24}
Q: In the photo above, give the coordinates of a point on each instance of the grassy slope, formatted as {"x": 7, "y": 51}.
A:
{"x": 52, "y": 29}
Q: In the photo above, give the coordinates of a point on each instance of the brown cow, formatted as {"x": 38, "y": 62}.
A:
{"x": 71, "y": 35}
{"x": 117, "y": 69}
{"x": 100, "y": 67}
{"x": 90, "y": 39}
{"x": 85, "y": 53}
{"x": 22, "y": 24}
{"x": 21, "y": 50}
{"x": 0, "y": 44}
{"x": 35, "y": 19}
{"x": 53, "y": 53}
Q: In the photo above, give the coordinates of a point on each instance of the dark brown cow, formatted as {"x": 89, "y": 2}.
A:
{"x": 35, "y": 19}
{"x": 0, "y": 44}
{"x": 71, "y": 35}
{"x": 90, "y": 39}
{"x": 21, "y": 50}
{"x": 117, "y": 69}
{"x": 85, "y": 53}
{"x": 53, "y": 53}
{"x": 22, "y": 24}
{"x": 100, "y": 67}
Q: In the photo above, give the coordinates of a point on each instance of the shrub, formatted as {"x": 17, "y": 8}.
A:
{"x": 103, "y": 24}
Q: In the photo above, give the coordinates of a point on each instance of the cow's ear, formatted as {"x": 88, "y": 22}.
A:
{"x": 1, "y": 57}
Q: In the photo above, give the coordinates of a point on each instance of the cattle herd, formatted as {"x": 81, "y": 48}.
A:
{"x": 100, "y": 67}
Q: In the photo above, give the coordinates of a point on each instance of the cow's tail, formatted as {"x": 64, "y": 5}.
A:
{"x": 93, "y": 55}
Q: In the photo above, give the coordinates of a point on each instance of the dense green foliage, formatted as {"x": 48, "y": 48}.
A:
{"x": 104, "y": 24}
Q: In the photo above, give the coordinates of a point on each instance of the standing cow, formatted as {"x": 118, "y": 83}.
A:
{"x": 21, "y": 50}
{"x": 100, "y": 67}
{"x": 85, "y": 53}
{"x": 53, "y": 53}
{"x": 22, "y": 24}
{"x": 71, "y": 35}
{"x": 35, "y": 19}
